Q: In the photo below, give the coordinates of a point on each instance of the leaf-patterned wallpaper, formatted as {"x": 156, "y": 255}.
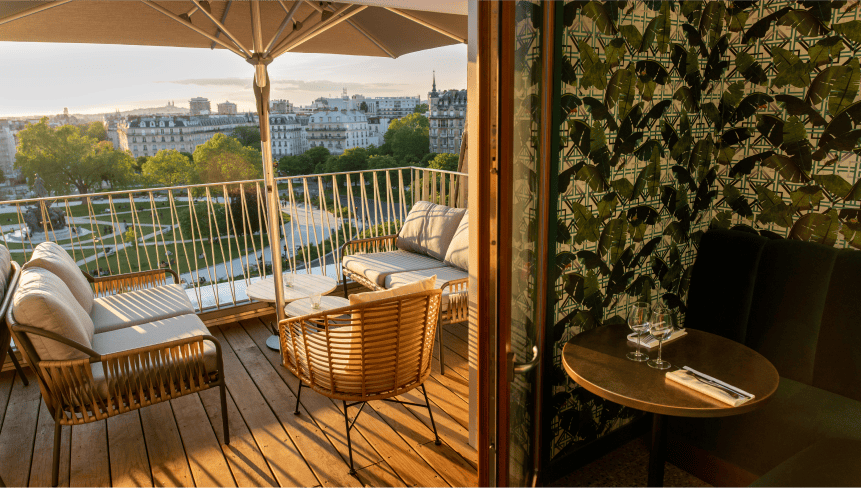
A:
{"x": 679, "y": 116}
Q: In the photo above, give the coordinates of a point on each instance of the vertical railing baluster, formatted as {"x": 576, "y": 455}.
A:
{"x": 403, "y": 196}
{"x": 228, "y": 268}
{"x": 309, "y": 209}
{"x": 327, "y": 232}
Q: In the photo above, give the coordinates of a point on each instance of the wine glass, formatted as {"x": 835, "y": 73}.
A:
{"x": 661, "y": 329}
{"x": 638, "y": 321}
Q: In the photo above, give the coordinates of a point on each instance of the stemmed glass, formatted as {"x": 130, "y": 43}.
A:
{"x": 638, "y": 321}
{"x": 661, "y": 329}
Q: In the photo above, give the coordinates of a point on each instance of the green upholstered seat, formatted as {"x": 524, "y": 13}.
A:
{"x": 829, "y": 462}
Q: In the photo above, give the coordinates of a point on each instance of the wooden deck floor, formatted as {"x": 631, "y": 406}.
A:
{"x": 179, "y": 443}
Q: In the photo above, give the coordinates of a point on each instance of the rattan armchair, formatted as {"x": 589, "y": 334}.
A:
{"x": 372, "y": 351}
{"x": 457, "y": 290}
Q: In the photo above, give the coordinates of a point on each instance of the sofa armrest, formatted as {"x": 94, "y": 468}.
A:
{"x": 139, "y": 280}
{"x": 370, "y": 244}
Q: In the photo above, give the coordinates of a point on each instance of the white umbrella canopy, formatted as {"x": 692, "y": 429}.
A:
{"x": 257, "y": 30}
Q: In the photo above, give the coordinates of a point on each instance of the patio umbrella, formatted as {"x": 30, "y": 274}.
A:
{"x": 258, "y": 31}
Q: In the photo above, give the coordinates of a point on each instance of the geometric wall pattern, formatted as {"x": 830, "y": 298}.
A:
{"x": 678, "y": 117}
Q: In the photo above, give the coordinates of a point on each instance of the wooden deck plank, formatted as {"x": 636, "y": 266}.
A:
{"x": 128, "y": 457}
{"x": 324, "y": 411}
{"x": 6, "y": 381}
{"x": 284, "y": 459}
{"x": 380, "y": 474}
{"x": 208, "y": 466}
{"x": 452, "y": 433}
{"x": 19, "y": 432}
{"x": 43, "y": 450}
{"x": 314, "y": 445}
{"x": 243, "y": 455}
{"x": 89, "y": 461}
{"x": 452, "y": 380}
{"x": 164, "y": 447}
{"x": 404, "y": 421}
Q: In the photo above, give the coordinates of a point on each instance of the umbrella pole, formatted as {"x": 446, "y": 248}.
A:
{"x": 273, "y": 209}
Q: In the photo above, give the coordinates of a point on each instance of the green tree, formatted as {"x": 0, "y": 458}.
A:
{"x": 139, "y": 162}
{"x": 224, "y": 158}
{"x": 409, "y": 138}
{"x": 382, "y": 161}
{"x": 130, "y": 236}
{"x": 168, "y": 167}
{"x": 114, "y": 167}
{"x": 421, "y": 108}
{"x": 247, "y": 136}
{"x": 444, "y": 161}
{"x": 425, "y": 162}
{"x": 317, "y": 155}
{"x": 354, "y": 159}
{"x": 96, "y": 130}
{"x": 363, "y": 107}
{"x": 295, "y": 165}
{"x": 60, "y": 156}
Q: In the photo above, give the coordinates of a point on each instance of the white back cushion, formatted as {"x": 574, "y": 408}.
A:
{"x": 5, "y": 269}
{"x": 442, "y": 222}
{"x": 52, "y": 257}
{"x": 43, "y": 301}
{"x": 410, "y": 236}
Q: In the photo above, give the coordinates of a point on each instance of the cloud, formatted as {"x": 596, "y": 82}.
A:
{"x": 297, "y": 85}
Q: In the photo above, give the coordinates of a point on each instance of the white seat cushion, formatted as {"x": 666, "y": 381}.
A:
{"x": 376, "y": 266}
{"x": 442, "y": 223}
{"x": 50, "y": 256}
{"x": 152, "y": 333}
{"x": 5, "y": 269}
{"x": 139, "y": 307}
{"x": 43, "y": 301}
{"x": 443, "y": 274}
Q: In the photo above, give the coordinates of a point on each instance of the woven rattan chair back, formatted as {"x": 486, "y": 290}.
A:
{"x": 364, "y": 352}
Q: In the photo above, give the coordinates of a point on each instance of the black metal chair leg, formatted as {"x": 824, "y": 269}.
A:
{"x": 224, "y": 420}
{"x": 55, "y": 468}
{"x": 18, "y": 366}
{"x": 344, "y": 282}
{"x": 430, "y": 414}
{"x": 298, "y": 396}
{"x": 349, "y": 444}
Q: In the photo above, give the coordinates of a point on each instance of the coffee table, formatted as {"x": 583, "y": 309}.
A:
{"x": 303, "y": 306}
{"x": 596, "y": 361}
{"x": 304, "y": 285}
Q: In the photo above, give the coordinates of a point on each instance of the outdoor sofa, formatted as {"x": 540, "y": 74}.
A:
{"x": 433, "y": 241}
{"x": 796, "y": 303}
{"x": 104, "y": 346}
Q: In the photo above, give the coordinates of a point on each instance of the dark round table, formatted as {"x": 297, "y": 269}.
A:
{"x": 596, "y": 360}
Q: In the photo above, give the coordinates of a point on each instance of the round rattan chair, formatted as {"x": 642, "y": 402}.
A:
{"x": 372, "y": 351}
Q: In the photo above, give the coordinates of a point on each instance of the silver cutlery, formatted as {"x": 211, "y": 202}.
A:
{"x": 719, "y": 386}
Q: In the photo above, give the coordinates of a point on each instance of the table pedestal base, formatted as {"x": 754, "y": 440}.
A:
{"x": 658, "y": 450}
{"x": 273, "y": 343}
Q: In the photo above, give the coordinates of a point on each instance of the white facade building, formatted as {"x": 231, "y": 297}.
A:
{"x": 288, "y": 136}
{"x": 392, "y": 107}
{"x": 227, "y": 108}
{"x": 339, "y": 130}
{"x": 145, "y": 136}
{"x": 447, "y": 116}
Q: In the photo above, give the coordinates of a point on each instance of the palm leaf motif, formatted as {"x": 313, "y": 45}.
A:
{"x": 771, "y": 128}
{"x": 774, "y": 210}
{"x": 599, "y": 111}
{"x": 821, "y": 228}
{"x": 580, "y": 136}
{"x": 649, "y": 70}
{"x": 850, "y": 30}
{"x": 790, "y": 69}
{"x": 761, "y": 27}
{"x": 803, "y": 22}
{"x": 591, "y": 175}
{"x": 599, "y": 15}
{"x": 796, "y": 106}
{"x": 711, "y": 22}
{"x": 855, "y": 192}
{"x": 824, "y": 83}
{"x": 594, "y": 70}
{"x": 685, "y": 95}
{"x": 716, "y": 65}
{"x": 681, "y": 150}
{"x": 701, "y": 156}
{"x": 787, "y": 167}
{"x": 821, "y": 10}
{"x": 796, "y": 144}
{"x": 657, "y": 30}
{"x": 834, "y": 184}
{"x": 613, "y": 239}
{"x": 750, "y": 69}
{"x": 632, "y": 36}
{"x": 825, "y": 49}
{"x": 654, "y": 113}
{"x": 695, "y": 39}
{"x": 651, "y": 150}
{"x": 615, "y": 51}
{"x": 749, "y": 105}
{"x": 668, "y": 134}
{"x": 840, "y": 125}
{"x": 620, "y": 91}
{"x": 746, "y": 165}
{"x": 649, "y": 177}
{"x": 845, "y": 88}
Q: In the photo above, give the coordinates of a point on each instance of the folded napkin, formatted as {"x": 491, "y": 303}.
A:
{"x": 683, "y": 378}
{"x": 650, "y": 342}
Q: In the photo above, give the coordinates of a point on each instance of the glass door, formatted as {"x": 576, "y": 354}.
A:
{"x": 524, "y": 195}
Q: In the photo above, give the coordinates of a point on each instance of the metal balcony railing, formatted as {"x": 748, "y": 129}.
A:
{"x": 215, "y": 235}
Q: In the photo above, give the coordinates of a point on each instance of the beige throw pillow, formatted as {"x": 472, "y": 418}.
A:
{"x": 410, "y": 236}
{"x": 442, "y": 223}
{"x": 43, "y": 301}
{"x": 458, "y": 251}
{"x": 52, "y": 257}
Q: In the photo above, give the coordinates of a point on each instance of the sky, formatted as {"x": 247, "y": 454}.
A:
{"x": 43, "y": 78}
